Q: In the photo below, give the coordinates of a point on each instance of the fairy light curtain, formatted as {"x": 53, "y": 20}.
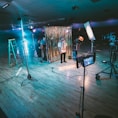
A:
{"x": 53, "y": 34}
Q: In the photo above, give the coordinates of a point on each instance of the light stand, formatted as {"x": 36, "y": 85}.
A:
{"x": 34, "y": 47}
{"x": 92, "y": 46}
{"x": 85, "y": 61}
{"x": 80, "y": 115}
{"x": 83, "y": 94}
{"x": 25, "y": 57}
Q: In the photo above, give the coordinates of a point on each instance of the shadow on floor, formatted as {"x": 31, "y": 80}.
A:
{"x": 102, "y": 116}
{"x": 2, "y": 114}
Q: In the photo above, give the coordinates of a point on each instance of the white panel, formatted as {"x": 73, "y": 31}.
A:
{"x": 89, "y": 31}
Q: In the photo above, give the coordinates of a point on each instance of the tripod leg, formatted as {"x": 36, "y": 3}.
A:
{"x": 113, "y": 71}
{"x": 103, "y": 70}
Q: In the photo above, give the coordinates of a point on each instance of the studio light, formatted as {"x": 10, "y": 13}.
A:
{"x": 75, "y": 7}
{"x": 34, "y": 30}
{"x": 5, "y": 5}
{"x": 30, "y": 27}
{"x": 89, "y": 31}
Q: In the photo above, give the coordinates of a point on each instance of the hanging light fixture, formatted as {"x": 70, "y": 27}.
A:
{"x": 5, "y": 5}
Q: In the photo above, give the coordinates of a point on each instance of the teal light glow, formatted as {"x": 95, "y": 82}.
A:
{"x": 26, "y": 47}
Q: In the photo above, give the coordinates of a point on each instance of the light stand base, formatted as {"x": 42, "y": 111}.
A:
{"x": 77, "y": 115}
{"x": 112, "y": 72}
{"x": 97, "y": 76}
{"x": 29, "y": 77}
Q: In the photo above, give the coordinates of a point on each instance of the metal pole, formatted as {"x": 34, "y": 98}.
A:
{"x": 92, "y": 46}
{"x": 9, "y": 50}
{"x": 22, "y": 29}
{"x": 33, "y": 42}
{"x": 83, "y": 94}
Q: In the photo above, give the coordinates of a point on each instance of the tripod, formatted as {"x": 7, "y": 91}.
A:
{"x": 113, "y": 55}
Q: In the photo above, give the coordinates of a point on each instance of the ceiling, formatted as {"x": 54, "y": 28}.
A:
{"x": 55, "y": 12}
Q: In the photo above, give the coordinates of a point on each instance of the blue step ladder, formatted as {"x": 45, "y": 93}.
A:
{"x": 12, "y": 52}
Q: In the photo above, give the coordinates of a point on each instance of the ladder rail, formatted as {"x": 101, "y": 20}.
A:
{"x": 11, "y": 50}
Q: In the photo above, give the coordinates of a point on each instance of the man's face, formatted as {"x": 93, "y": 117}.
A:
{"x": 62, "y": 39}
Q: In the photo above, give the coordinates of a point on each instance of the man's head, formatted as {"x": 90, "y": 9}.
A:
{"x": 62, "y": 39}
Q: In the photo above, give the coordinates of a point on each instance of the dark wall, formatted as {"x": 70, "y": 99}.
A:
{"x": 17, "y": 35}
{"x": 99, "y": 33}
{"x": 4, "y": 36}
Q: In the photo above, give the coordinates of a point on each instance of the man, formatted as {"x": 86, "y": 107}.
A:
{"x": 38, "y": 49}
{"x": 43, "y": 45}
{"x": 79, "y": 41}
{"x": 62, "y": 46}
